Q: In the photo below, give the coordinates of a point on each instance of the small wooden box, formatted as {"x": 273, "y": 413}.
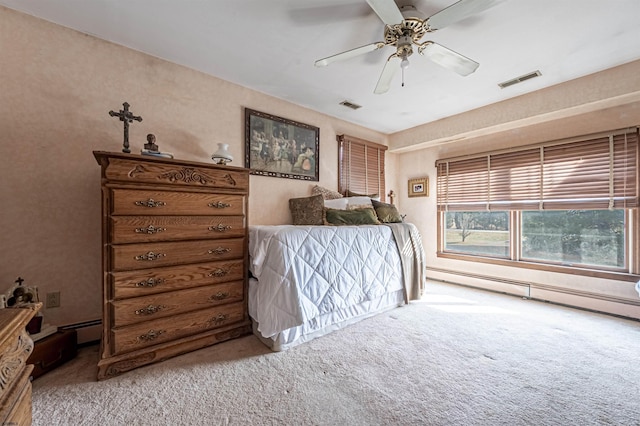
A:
{"x": 53, "y": 351}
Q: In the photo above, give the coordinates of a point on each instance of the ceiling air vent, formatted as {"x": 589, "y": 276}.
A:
{"x": 350, "y": 105}
{"x": 519, "y": 79}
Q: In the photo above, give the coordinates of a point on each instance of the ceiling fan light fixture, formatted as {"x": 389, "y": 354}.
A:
{"x": 404, "y": 28}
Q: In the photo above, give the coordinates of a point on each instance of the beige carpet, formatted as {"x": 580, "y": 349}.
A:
{"x": 458, "y": 357}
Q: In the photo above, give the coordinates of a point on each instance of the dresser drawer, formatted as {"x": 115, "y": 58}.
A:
{"x": 140, "y": 229}
{"x": 149, "y": 255}
{"x": 150, "y": 333}
{"x": 139, "y": 309}
{"x": 150, "y": 281}
{"x": 148, "y": 202}
{"x": 175, "y": 173}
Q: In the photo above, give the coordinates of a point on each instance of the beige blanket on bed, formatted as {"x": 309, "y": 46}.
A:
{"x": 412, "y": 258}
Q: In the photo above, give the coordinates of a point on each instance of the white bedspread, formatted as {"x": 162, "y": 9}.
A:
{"x": 307, "y": 271}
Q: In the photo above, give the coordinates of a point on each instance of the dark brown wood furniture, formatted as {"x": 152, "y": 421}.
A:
{"x": 53, "y": 351}
{"x": 15, "y": 347}
{"x": 175, "y": 258}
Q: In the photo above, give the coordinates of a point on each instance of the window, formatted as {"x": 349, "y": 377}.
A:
{"x": 360, "y": 166}
{"x": 479, "y": 233}
{"x": 567, "y": 203}
{"x": 575, "y": 237}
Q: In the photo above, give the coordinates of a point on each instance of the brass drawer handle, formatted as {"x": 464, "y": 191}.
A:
{"x": 150, "y": 203}
{"x": 151, "y": 282}
{"x": 150, "y": 230}
{"x": 219, "y": 318}
{"x": 219, "y": 272}
{"x": 219, "y": 251}
{"x": 151, "y": 309}
{"x": 219, "y": 296}
{"x": 219, "y": 228}
{"x": 219, "y": 205}
{"x": 150, "y": 256}
{"x": 151, "y": 335}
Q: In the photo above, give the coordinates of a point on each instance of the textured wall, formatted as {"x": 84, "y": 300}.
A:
{"x": 57, "y": 87}
{"x": 599, "y": 102}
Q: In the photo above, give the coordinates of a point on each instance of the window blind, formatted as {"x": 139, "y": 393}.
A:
{"x": 593, "y": 172}
{"x": 360, "y": 166}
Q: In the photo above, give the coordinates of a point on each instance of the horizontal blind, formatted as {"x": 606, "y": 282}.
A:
{"x": 590, "y": 173}
{"x": 515, "y": 180}
{"x": 360, "y": 166}
{"x": 467, "y": 184}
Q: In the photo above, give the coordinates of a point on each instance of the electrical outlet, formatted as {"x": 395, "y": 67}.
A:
{"x": 53, "y": 299}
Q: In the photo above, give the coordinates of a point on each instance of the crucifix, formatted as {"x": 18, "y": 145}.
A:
{"x": 20, "y": 280}
{"x": 391, "y": 196}
{"x": 127, "y": 117}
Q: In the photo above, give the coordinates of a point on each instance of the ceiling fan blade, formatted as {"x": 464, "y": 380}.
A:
{"x": 387, "y": 10}
{"x": 349, "y": 54}
{"x": 448, "y": 58}
{"x": 389, "y": 70}
{"x": 459, "y": 11}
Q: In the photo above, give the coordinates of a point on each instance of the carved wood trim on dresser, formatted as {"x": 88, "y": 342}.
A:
{"x": 15, "y": 347}
{"x": 175, "y": 258}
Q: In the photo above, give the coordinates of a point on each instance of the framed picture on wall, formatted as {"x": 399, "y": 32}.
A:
{"x": 278, "y": 147}
{"x": 419, "y": 187}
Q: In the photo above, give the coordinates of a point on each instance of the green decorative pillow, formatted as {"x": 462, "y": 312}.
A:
{"x": 307, "y": 210}
{"x": 387, "y": 213}
{"x": 327, "y": 194}
{"x": 353, "y": 194}
{"x": 351, "y": 217}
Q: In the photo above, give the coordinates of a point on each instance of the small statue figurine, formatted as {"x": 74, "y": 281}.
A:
{"x": 20, "y": 295}
{"x": 151, "y": 148}
{"x": 151, "y": 143}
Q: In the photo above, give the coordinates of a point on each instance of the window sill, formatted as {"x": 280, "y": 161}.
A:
{"x": 609, "y": 275}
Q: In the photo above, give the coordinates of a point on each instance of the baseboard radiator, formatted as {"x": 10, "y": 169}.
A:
{"x": 89, "y": 332}
{"x": 591, "y": 301}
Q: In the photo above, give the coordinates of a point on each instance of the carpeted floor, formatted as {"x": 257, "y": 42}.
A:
{"x": 458, "y": 357}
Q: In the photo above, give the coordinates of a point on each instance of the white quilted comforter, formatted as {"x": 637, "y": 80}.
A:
{"x": 306, "y": 271}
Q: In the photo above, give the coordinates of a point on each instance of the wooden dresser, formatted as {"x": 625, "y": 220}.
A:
{"x": 15, "y": 347}
{"x": 175, "y": 258}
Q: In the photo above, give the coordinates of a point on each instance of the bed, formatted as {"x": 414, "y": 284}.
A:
{"x": 308, "y": 281}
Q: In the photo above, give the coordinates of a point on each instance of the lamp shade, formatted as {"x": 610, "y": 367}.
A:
{"x": 222, "y": 155}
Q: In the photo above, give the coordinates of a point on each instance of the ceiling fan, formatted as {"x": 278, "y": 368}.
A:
{"x": 404, "y": 28}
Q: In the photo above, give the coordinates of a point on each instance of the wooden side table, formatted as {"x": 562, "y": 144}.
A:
{"x": 15, "y": 347}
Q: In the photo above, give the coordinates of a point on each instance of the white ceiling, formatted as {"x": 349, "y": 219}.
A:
{"x": 271, "y": 45}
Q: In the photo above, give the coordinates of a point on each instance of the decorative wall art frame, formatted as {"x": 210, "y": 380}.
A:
{"x": 419, "y": 187}
{"x": 278, "y": 147}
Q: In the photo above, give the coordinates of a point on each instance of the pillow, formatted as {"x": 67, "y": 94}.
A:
{"x": 387, "y": 213}
{"x": 327, "y": 194}
{"x": 351, "y": 217}
{"x": 353, "y": 194}
{"x": 338, "y": 203}
{"x": 359, "y": 203}
{"x": 307, "y": 210}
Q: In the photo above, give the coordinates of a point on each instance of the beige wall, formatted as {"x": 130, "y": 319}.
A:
{"x": 57, "y": 87}
{"x": 604, "y": 101}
